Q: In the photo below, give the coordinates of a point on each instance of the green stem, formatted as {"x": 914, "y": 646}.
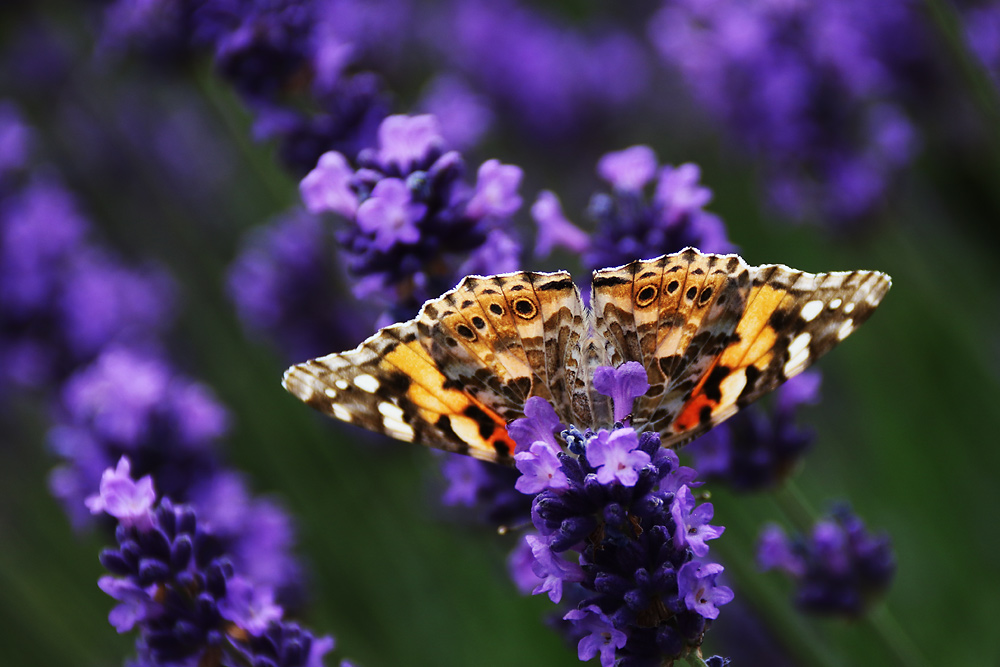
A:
{"x": 694, "y": 659}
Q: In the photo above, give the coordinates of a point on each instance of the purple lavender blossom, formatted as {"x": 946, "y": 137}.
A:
{"x": 177, "y": 587}
{"x": 691, "y": 522}
{"x": 630, "y": 226}
{"x": 485, "y": 486}
{"x": 616, "y": 521}
{"x": 840, "y": 568}
{"x": 415, "y": 214}
{"x": 817, "y": 115}
{"x": 127, "y": 500}
{"x": 759, "y": 447}
{"x": 982, "y": 34}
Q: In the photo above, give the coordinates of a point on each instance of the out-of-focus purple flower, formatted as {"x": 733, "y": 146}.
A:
{"x": 15, "y": 139}
{"x": 285, "y": 288}
{"x": 328, "y": 186}
{"x": 759, "y": 447}
{"x": 813, "y": 113}
{"x": 390, "y": 215}
{"x": 546, "y": 76}
{"x": 692, "y": 529}
{"x": 464, "y": 115}
{"x": 839, "y": 569}
{"x": 127, "y": 500}
{"x": 602, "y": 636}
{"x": 487, "y": 487}
{"x": 696, "y": 584}
{"x": 496, "y": 191}
{"x": 982, "y": 34}
{"x": 406, "y": 141}
{"x": 630, "y": 169}
{"x": 630, "y": 225}
{"x": 554, "y": 229}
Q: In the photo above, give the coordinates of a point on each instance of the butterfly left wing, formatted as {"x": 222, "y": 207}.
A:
{"x": 457, "y": 374}
{"x": 390, "y": 384}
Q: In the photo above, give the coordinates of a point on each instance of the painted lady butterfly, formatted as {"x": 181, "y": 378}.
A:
{"x": 713, "y": 333}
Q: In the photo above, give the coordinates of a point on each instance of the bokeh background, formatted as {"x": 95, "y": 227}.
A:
{"x": 832, "y": 137}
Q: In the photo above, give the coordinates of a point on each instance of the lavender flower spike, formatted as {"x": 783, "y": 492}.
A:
{"x": 554, "y": 229}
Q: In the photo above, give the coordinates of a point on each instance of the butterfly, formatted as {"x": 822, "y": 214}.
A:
{"x": 713, "y": 333}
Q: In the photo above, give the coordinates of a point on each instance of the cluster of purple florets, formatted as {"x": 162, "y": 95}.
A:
{"x": 617, "y": 530}
{"x": 414, "y": 224}
{"x": 177, "y": 586}
{"x": 840, "y": 568}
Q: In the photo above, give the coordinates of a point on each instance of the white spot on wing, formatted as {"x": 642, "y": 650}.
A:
{"x": 849, "y": 308}
{"x": 366, "y": 382}
{"x": 330, "y": 392}
{"x": 845, "y": 329}
{"x": 398, "y": 429}
{"x": 798, "y": 354}
{"x": 341, "y": 413}
{"x": 811, "y": 310}
{"x": 391, "y": 411}
{"x": 835, "y": 304}
{"x": 342, "y": 384}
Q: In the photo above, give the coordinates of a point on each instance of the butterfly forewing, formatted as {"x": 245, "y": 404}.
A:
{"x": 713, "y": 333}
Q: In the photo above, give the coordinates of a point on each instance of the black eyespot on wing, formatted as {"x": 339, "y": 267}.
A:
{"x": 496, "y": 309}
{"x": 525, "y": 308}
{"x": 465, "y": 332}
{"x": 646, "y": 296}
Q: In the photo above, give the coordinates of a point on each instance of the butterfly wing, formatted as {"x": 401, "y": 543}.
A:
{"x": 716, "y": 334}
{"x": 453, "y": 377}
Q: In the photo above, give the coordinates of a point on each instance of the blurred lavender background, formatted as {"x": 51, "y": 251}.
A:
{"x": 192, "y": 195}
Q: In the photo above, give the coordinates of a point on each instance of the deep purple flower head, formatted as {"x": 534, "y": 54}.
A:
{"x": 811, "y": 89}
{"x": 630, "y": 225}
{"x": 418, "y": 226}
{"x": 487, "y": 487}
{"x": 759, "y": 446}
{"x": 615, "y": 522}
{"x": 177, "y": 587}
{"x": 839, "y": 569}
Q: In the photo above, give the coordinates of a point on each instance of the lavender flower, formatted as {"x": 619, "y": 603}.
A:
{"x": 839, "y": 569}
{"x": 810, "y": 89}
{"x": 487, "y": 487}
{"x": 411, "y": 218}
{"x": 177, "y": 586}
{"x": 629, "y": 226}
{"x": 758, "y": 447}
{"x": 616, "y": 520}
